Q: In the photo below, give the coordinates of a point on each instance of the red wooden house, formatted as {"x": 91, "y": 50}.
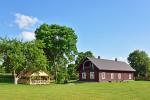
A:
{"x": 101, "y": 70}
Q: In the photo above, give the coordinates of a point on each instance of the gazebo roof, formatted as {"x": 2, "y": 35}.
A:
{"x": 37, "y": 73}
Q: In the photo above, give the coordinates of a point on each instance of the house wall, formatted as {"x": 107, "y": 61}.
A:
{"x": 124, "y": 76}
{"x": 98, "y": 74}
{"x": 87, "y": 70}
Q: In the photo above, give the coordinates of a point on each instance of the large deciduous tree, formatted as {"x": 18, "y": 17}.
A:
{"x": 13, "y": 56}
{"x": 60, "y": 44}
{"x": 140, "y": 61}
{"x": 20, "y": 57}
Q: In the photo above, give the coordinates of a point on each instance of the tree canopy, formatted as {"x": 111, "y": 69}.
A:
{"x": 60, "y": 44}
{"x": 20, "y": 57}
{"x": 140, "y": 61}
{"x": 12, "y": 54}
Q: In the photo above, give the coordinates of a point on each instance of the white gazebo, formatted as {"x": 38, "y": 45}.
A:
{"x": 39, "y": 77}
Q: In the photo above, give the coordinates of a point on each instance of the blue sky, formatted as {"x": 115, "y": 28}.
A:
{"x": 109, "y": 28}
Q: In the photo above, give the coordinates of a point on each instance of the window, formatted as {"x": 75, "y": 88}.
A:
{"x": 84, "y": 75}
{"x": 112, "y": 75}
{"x": 91, "y": 75}
{"x": 103, "y": 75}
{"x": 83, "y": 69}
{"x": 91, "y": 67}
{"x": 130, "y": 76}
{"x": 119, "y": 75}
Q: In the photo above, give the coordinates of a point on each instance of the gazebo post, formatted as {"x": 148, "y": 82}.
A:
{"x": 30, "y": 80}
{"x": 40, "y": 80}
{"x": 48, "y": 79}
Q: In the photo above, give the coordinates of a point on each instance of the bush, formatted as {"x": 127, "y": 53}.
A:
{"x": 60, "y": 77}
{"x": 143, "y": 78}
{"x": 65, "y": 81}
{"x": 73, "y": 76}
{"x": 6, "y": 78}
{"x": 2, "y": 70}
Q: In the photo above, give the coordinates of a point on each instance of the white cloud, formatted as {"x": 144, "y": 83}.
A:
{"x": 27, "y": 36}
{"x": 24, "y": 21}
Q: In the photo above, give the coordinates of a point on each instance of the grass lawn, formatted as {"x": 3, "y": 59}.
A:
{"x": 136, "y": 90}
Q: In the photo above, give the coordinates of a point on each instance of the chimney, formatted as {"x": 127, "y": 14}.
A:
{"x": 116, "y": 59}
{"x": 99, "y": 57}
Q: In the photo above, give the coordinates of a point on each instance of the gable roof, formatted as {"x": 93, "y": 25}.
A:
{"x": 104, "y": 64}
{"x": 37, "y": 73}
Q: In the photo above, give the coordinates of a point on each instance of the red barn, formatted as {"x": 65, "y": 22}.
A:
{"x": 102, "y": 70}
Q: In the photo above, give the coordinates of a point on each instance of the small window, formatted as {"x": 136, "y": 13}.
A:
{"x": 84, "y": 75}
{"x": 112, "y": 75}
{"x": 119, "y": 76}
{"x": 83, "y": 68}
{"x": 91, "y": 75}
{"x": 91, "y": 67}
{"x": 103, "y": 75}
{"x": 130, "y": 76}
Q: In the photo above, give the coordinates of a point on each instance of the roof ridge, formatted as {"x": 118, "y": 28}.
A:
{"x": 106, "y": 59}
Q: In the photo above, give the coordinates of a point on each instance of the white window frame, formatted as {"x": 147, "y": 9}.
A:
{"x": 92, "y": 75}
{"x": 83, "y": 75}
{"x": 103, "y": 75}
{"x": 112, "y": 75}
{"x": 119, "y": 75}
{"x": 130, "y": 76}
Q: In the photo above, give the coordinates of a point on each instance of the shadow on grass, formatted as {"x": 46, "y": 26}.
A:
{"x": 80, "y": 82}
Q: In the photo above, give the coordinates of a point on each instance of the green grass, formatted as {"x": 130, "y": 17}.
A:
{"x": 136, "y": 90}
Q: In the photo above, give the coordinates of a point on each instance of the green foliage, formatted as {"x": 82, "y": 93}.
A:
{"x": 59, "y": 41}
{"x": 2, "y": 70}
{"x": 72, "y": 73}
{"x": 6, "y": 78}
{"x": 60, "y": 45}
{"x": 12, "y": 54}
{"x": 35, "y": 58}
{"x": 62, "y": 75}
{"x": 22, "y": 56}
{"x": 140, "y": 61}
{"x": 81, "y": 56}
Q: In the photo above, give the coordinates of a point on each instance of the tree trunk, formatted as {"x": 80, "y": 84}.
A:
{"x": 56, "y": 73}
{"x": 15, "y": 78}
{"x": 55, "y": 67}
{"x": 146, "y": 71}
{"x": 138, "y": 75}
